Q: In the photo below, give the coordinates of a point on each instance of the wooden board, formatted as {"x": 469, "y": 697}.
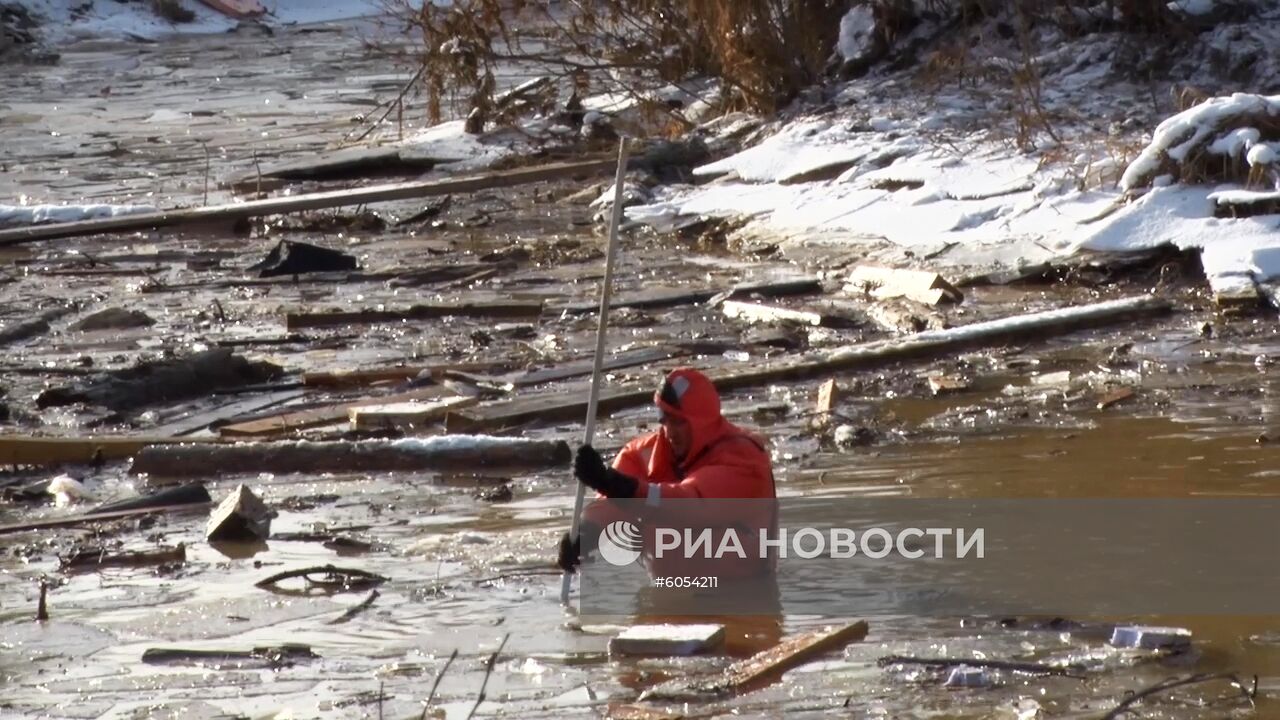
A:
{"x": 505, "y": 308}
{"x": 369, "y": 376}
{"x": 673, "y": 298}
{"x": 756, "y": 312}
{"x": 922, "y": 286}
{"x": 404, "y": 415}
{"x": 568, "y": 404}
{"x": 27, "y": 450}
{"x": 201, "y": 420}
{"x": 584, "y": 366}
{"x": 760, "y": 669}
{"x": 317, "y": 417}
{"x": 298, "y": 203}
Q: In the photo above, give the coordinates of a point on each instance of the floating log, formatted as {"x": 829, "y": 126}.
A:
{"x": 761, "y": 668}
{"x": 922, "y": 286}
{"x": 673, "y": 298}
{"x": 240, "y": 517}
{"x": 505, "y": 308}
{"x": 571, "y": 402}
{"x": 95, "y": 558}
{"x": 415, "y": 454}
{"x": 50, "y": 451}
{"x": 406, "y": 414}
{"x": 266, "y": 657}
{"x": 162, "y": 381}
{"x": 312, "y": 201}
{"x": 288, "y": 422}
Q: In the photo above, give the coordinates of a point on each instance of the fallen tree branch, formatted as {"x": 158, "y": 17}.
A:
{"x": 1173, "y": 682}
{"x": 436, "y": 683}
{"x": 488, "y": 670}
{"x": 335, "y": 577}
{"x": 354, "y": 611}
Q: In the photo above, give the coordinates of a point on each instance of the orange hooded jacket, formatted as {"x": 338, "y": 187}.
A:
{"x": 723, "y": 462}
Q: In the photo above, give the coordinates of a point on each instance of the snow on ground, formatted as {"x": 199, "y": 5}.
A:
{"x": 463, "y": 151}
{"x": 898, "y": 184}
{"x": 14, "y": 215}
{"x": 67, "y": 20}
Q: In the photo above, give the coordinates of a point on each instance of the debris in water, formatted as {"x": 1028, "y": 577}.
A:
{"x": 241, "y": 517}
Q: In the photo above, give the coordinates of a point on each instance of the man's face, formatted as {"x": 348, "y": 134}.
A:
{"x": 677, "y": 432}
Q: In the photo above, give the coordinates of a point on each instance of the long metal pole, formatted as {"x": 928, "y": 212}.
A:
{"x": 606, "y": 291}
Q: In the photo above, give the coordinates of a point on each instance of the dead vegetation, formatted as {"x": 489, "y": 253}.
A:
{"x": 1225, "y": 139}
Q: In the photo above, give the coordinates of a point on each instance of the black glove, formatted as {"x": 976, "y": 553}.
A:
{"x": 570, "y": 553}
{"x": 589, "y": 467}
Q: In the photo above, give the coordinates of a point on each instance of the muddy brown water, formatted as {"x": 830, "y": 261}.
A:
{"x": 466, "y": 573}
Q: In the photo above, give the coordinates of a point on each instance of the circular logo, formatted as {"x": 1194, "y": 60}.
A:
{"x": 619, "y": 543}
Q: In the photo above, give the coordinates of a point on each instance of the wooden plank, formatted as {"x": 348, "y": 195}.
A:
{"x": 405, "y": 415}
{"x": 761, "y": 668}
{"x": 673, "y": 298}
{"x": 1036, "y": 326}
{"x": 828, "y": 396}
{"x": 369, "y": 376}
{"x": 201, "y": 420}
{"x": 297, "y": 203}
{"x": 554, "y": 407}
{"x": 326, "y": 415}
{"x": 944, "y": 384}
{"x": 503, "y": 308}
{"x": 757, "y": 312}
{"x": 922, "y": 286}
{"x": 1115, "y": 397}
{"x": 583, "y": 366}
{"x": 27, "y": 450}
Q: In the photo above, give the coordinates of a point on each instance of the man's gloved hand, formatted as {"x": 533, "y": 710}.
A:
{"x": 570, "y": 555}
{"x": 589, "y": 467}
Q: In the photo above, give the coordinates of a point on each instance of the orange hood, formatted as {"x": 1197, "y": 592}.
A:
{"x": 690, "y": 395}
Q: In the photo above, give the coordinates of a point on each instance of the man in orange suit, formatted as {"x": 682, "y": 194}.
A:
{"x": 697, "y": 454}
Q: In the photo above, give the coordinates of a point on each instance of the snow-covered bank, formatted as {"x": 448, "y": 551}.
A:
{"x": 894, "y": 184}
